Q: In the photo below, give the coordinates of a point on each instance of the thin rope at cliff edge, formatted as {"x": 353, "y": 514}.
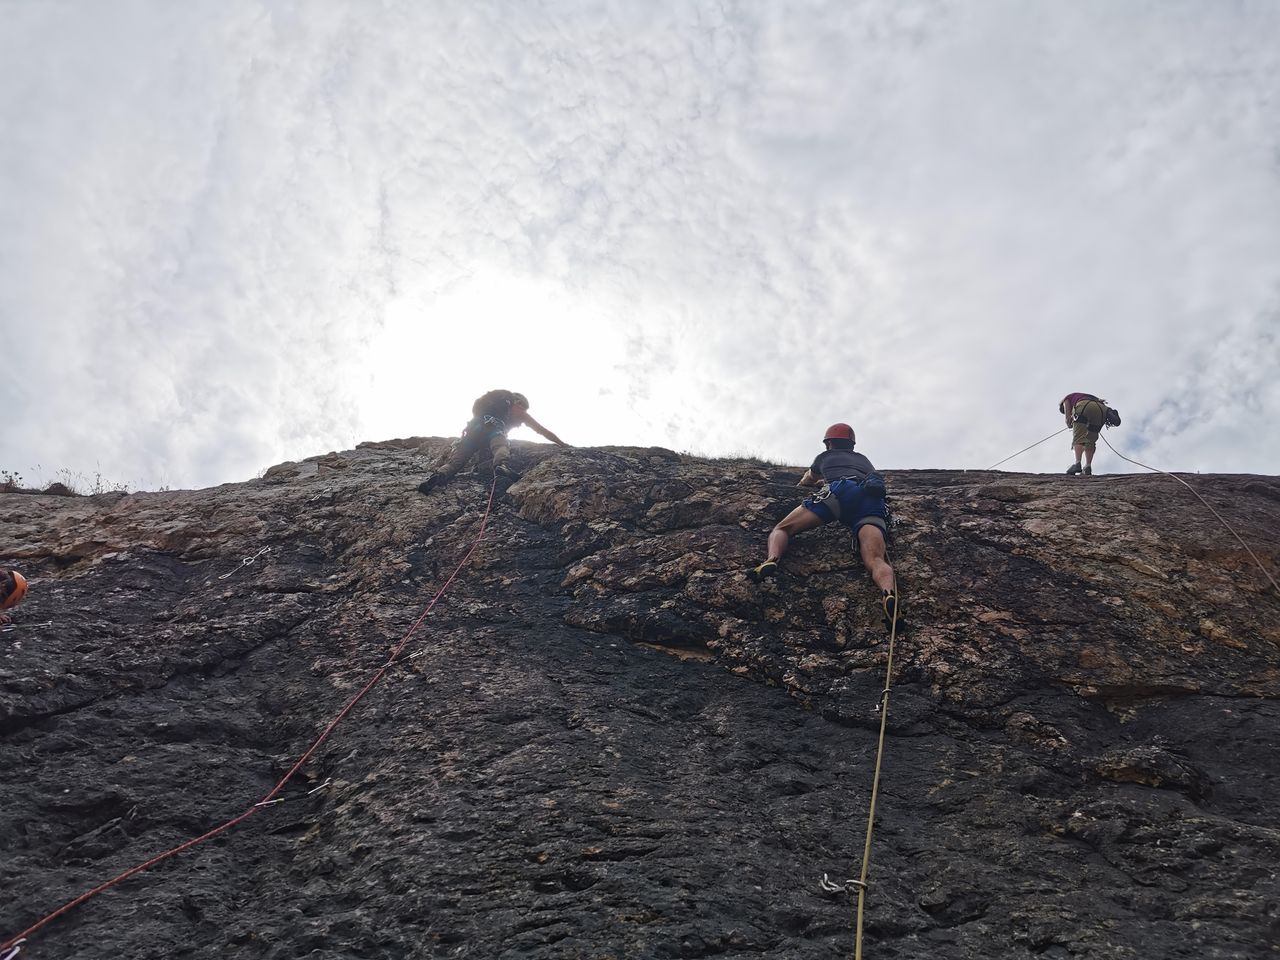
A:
{"x": 12, "y": 945}
{"x": 1249, "y": 550}
{"x": 1265, "y": 572}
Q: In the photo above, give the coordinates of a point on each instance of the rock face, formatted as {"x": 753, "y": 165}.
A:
{"x": 608, "y": 743}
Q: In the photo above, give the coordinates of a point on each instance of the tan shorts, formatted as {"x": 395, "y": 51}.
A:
{"x": 1088, "y": 415}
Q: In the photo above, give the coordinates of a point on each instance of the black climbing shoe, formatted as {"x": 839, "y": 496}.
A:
{"x": 1073, "y": 470}
{"x": 429, "y": 484}
{"x": 505, "y": 472}
{"x": 1088, "y": 471}
{"x": 888, "y": 603}
{"x": 766, "y": 571}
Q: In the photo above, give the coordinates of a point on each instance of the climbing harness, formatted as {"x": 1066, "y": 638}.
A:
{"x": 1265, "y": 573}
{"x": 247, "y": 561}
{"x": 494, "y": 424}
{"x": 883, "y": 709}
{"x": 1025, "y": 449}
{"x": 19, "y": 938}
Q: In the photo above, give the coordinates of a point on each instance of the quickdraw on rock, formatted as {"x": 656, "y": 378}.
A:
{"x": 9, "y": 628}
{"x": 848, "y": 886}
{"x": 247, "y": 561}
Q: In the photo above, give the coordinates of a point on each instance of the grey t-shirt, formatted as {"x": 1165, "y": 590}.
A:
{"x": 834, "y": 464}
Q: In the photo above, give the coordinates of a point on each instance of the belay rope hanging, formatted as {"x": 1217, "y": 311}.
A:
{"x": 861, "y": 883}
{"x": 13, "y": 945}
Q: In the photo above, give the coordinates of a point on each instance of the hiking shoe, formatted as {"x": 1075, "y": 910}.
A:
{"x": 1088, "y": 471}
{"x": 1073, "y": 470}
{"x": 429, "y": 484}
{"x": 766, "y": 571}
{"x": 502, "y": 470}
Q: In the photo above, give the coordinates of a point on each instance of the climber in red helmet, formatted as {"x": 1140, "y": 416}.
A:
{"x": 853, "y": 494}
{"x": 492, "y": 415}
{"x": 13, "y": 587}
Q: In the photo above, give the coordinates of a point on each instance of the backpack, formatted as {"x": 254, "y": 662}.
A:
{"x": 495, "y": 403}
{"x": 1111, "y": 418}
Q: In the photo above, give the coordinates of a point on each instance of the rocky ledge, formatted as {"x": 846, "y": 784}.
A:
{"x": 607, "y": 742}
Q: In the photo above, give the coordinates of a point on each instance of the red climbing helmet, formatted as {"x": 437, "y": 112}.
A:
{"x": 17, "y": 593}
{"x": 839, "y": 431}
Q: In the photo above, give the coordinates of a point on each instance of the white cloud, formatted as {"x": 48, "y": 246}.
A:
{"x": 232, "y": 233}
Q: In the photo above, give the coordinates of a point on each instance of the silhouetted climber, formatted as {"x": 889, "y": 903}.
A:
{"x": 852, "y": 493}
{"x": 13, "y": 587}
{"x": 492, "y": 416}
{"x": 1086, "y": 415}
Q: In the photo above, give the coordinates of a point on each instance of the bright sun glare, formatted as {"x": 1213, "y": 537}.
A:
{"x": 434, "y": 354}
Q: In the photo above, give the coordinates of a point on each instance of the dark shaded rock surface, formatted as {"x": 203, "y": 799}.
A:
{"x": 608, "y": 743}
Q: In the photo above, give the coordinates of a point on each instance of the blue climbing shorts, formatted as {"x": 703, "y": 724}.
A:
{"x": 850, "y": 503}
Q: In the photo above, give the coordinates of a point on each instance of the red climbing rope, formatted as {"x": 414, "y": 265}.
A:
{"x": 17, "y": 939}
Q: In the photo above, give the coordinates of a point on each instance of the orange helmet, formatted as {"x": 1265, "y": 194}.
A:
{"x": 839, "y": 431}
{"x": 17, "y": 593}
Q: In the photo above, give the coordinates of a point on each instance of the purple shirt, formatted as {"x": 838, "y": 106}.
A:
{"x": 1068, "y": 404}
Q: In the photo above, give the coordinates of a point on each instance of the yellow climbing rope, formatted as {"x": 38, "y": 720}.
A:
{"x": 861, "y": 882}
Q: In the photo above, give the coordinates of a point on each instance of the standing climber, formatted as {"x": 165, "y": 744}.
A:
{"x": 13, "y": 587}
{"x": 852, "y": 493}
{"x": 1085, "y": 414}
{"x": 491, "y": 417}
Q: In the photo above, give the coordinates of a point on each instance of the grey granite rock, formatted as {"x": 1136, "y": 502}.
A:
{"x": 609, "y": 743}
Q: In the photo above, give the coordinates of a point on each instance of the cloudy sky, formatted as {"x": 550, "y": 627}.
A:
{"x": 234, "y": 232}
